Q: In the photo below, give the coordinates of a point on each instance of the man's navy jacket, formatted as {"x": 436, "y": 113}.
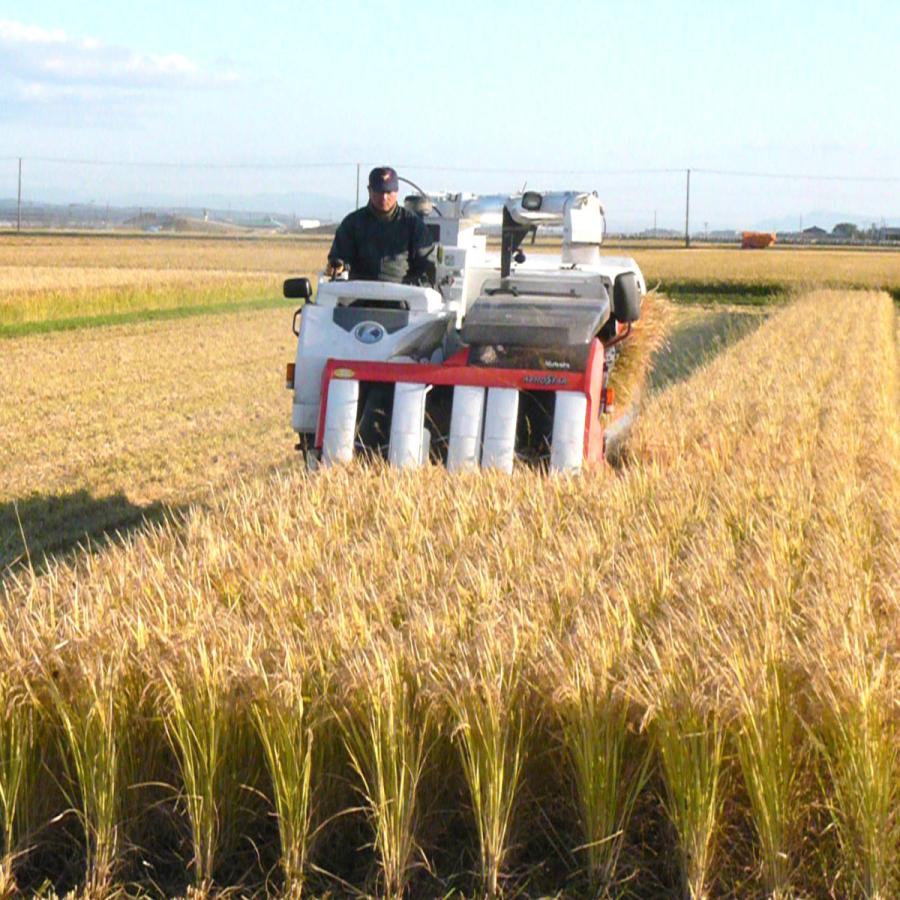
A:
{"x": 395, "y": 247}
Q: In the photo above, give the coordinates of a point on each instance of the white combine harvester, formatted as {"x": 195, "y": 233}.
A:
{"x": 505, "y": 358}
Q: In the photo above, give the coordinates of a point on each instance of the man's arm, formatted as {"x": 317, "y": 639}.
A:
{"x": 343, "y": 245}
{"x": 421, "y": 255}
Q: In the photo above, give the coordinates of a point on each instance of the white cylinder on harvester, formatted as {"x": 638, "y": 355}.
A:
{"x": 567, "y": 442}
{"x": 465, "y": 428}
{"x": 340, "y": 421}
{"x": 408, "y": 444}
{"x": 500, "y": 429}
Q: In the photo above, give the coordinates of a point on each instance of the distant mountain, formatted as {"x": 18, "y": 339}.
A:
{"x": 305, "y": 205}
{"x": 302, "y": 205}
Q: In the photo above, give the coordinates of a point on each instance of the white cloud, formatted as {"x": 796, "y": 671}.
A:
{"x": 42, "y": 64}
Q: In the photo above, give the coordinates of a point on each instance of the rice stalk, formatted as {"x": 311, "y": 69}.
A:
{"x": 768, "y": 732}
{"x": 290, "y": 733}
{"x": 92, "y": 700}
{"x": 860, "y": 743}
{"x": 634, "y": 358}
{"x": 610, "y": 763}
{"x": 689, "y": 735}
{"x": 20, "y": 736}
{"x": 486, "y": 694}
{"x": 201, "y": 723}
{"x": 386, "y": 726}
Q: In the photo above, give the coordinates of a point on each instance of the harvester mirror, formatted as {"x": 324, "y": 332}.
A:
{"x": 297, "y": 289}
{"x": 532, "y": 200}
{"x": 626, "y": 298}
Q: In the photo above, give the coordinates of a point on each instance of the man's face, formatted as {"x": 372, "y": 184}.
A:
{"x": 383, "y": 201}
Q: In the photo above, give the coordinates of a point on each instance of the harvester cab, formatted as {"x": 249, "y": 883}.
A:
{"x": 507, "y": 357}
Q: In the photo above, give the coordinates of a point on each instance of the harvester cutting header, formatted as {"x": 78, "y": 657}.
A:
{"x": 503, "y": 358}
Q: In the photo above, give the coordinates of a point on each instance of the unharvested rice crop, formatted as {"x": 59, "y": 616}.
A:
{"x": 675, "y": 678}
{"x": 787, "y": 267}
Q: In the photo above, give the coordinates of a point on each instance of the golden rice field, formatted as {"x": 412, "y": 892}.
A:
{"x": 49, "y": 281}
{"x": 791, "y": 267}
{"x": 674, "y": 678}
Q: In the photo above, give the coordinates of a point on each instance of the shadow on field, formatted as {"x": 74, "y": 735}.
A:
{"x": 42, "y": 527}
{"x": 697, "y": 340}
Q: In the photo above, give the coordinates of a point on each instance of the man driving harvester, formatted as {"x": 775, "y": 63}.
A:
{"x": 382, "y": 241}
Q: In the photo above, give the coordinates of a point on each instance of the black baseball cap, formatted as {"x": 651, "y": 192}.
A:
{"x": 384, "y": 180}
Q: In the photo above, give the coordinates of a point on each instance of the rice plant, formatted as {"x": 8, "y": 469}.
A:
{"x": 486, "y": 694}
{"x": 20, "y": 739}
{"x": 92, "y": 707}
{"x": 290, "y": 729}
{"x": 386, "y": 726}
{"x": 200, "y": 715}
{"x": 689, "y": 735}
{"x": 768, "y": 732}
{"x": 609, "y": 761}
{"x": 859, "y": 740}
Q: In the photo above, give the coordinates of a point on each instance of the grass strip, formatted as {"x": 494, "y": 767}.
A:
{"x": 731, "y": 293}
{"x": 144, "y": 315}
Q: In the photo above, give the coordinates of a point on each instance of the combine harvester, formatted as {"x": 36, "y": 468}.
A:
{"x": 504, "y": 359}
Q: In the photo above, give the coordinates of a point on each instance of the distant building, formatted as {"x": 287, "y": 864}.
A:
{"x": 889, "y": 233}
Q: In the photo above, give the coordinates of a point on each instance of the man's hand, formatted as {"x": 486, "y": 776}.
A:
{"x": 333, "y": 269}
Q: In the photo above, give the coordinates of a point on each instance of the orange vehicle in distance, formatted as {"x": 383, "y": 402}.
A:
{"x": 757, "y": 240}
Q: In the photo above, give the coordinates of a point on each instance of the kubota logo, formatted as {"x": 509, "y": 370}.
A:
{"x": 368, "y": 332}
{"x": 545, "y": 379}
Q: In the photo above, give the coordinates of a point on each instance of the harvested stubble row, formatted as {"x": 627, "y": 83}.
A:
{"x": 684, "y": 671}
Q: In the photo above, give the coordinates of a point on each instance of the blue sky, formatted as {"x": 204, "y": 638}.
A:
{"x": 516, "y": 87}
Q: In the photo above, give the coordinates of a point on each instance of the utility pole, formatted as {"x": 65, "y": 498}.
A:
{"x": 654, "y": 223}
{"x": 357, "y": 185}
{"x": 687, "y": 211}
{"x": 19, "y": 200}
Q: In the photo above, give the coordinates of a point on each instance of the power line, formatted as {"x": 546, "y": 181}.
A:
{"x": 488, "y": 170}
{"x": 797, "y": 177}
{"x": 185, "y": 165}
{"x": 534, "y": 171}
